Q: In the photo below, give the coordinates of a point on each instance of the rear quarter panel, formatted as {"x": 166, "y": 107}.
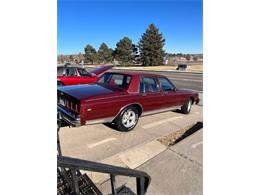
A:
{"x": 107, "y": 107}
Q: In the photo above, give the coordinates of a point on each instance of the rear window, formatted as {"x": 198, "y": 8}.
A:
{"x": 114, "y": 79}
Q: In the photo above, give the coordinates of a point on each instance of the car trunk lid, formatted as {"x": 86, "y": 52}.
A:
{"x": 82, "y": 92}
{"x": 101, "y": 69}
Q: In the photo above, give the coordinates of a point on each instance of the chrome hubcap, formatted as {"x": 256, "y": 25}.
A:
{"x": 189, "y": 105}
{"x": 129, "y": 118}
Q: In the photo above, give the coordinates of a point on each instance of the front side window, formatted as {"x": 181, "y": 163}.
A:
{"x": 71, "y": 72}
{"x": 165, "y": 84}
{"x": 148, "y": 84}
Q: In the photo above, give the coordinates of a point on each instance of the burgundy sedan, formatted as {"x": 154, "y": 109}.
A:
{"x": 121, "y": 98}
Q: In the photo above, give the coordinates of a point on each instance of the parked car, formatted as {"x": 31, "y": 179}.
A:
{"x": 181, "y": 67}
{"x": 74, "y": 75}
{"x": 121, "y": 98}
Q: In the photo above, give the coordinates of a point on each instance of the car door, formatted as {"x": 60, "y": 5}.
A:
{"x": 71, "y": 76}
{"x": 170, "y": 96}
{"x": 150, "y": 94}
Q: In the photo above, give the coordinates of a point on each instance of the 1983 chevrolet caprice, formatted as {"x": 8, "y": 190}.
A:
{"x": 121, "y": 98}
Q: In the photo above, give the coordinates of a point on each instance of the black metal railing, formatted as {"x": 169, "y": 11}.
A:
{"x": 73, "y": 182}
{"x": 74, "y": 165}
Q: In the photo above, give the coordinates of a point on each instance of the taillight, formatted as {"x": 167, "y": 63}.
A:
{"x": 71, "y": 105}
{"x": 76, "y": 108}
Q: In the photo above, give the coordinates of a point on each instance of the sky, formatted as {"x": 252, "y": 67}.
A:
{"x": 82, "y": 22}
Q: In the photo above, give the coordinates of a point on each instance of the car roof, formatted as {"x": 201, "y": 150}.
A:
{"x": 70, "y": 66}
{"x": 138, "y": 73}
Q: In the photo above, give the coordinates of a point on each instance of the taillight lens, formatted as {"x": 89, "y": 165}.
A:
{"x": 69, "y": 104}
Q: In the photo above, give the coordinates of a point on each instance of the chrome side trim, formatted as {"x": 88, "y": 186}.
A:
{"x": 99, "y": 121}
{"x": 160, "y": 110}
{"x": 111, "y": 119}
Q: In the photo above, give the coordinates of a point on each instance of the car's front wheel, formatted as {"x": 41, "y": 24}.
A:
{"x": 186, "y": 107}
{"x": 127, "y": 119}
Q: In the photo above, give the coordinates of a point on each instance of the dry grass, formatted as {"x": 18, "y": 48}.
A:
{"x": 171, "y": 138}
{"x": 191, "y": 68}
{"x": 195, "y": 68}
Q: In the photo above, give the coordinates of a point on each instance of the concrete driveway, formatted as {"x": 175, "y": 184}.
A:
{"x": 98, "y": 142}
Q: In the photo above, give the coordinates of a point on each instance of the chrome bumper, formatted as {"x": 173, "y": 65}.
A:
{"x": 68, "y": 117}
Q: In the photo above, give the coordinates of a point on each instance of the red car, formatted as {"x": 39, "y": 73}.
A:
{"x": 74, "y": 75}
{"x": 121, "y": 98}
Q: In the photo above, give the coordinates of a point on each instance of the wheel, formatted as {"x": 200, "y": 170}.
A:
{"x": 127, "y": 119}
{"x": 59, "y": 84}
{"x": 186, "y": 107}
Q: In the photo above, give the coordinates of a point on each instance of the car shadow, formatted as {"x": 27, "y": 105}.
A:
{"x": 111, "y": 126}
{"x": 123, "y": 190}
{"x": 177, "y": 111}
{"x": 196, "y": 127}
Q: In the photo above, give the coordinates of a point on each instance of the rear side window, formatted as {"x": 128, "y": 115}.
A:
{"x": 148, "y": 84}
{"x": 60, "y": 71}
{"x": 165, "y": 84}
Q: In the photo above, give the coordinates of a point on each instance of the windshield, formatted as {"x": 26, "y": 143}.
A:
{"x": 115, "y": 79}
{"x": 83, "y": 72}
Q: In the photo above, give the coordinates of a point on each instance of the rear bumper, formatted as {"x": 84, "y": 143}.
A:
{"x": 68, "y": 117}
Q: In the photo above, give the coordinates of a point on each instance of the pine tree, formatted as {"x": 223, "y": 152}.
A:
{"x": 124, "y": 51}
{"x": 105, "y": 54}
{"x": 151, "y": 47}
{"x": 90, "y": 54}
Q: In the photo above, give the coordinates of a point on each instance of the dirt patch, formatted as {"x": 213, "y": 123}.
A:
{"x": 181, "y": 134}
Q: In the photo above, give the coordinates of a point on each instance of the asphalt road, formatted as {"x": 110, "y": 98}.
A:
{"x": 185, "y": 80}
